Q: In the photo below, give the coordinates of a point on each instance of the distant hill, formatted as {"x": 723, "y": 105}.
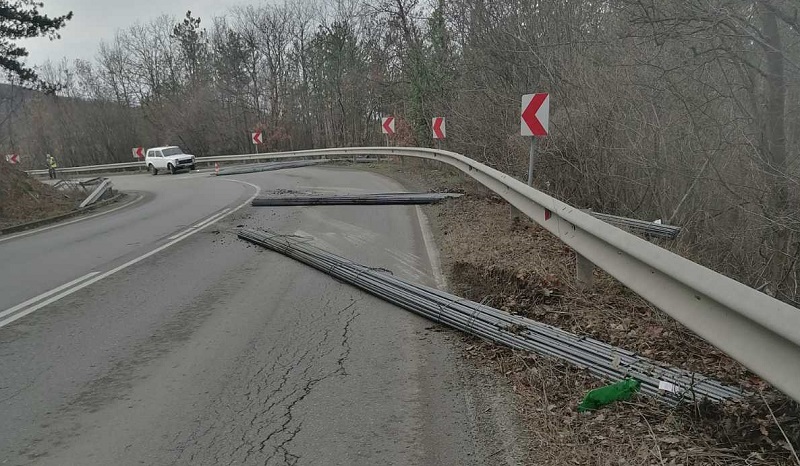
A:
{"x": 8, "y": 91}
{"x": 13, "y": 97}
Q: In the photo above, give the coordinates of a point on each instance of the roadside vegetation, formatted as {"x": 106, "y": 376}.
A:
{"x": 687, "y": 111}
{"x": 25, "y": 199}
{"x": 492, "y": 256}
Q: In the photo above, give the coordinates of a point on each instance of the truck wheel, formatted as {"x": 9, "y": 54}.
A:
{"x": 171, "y": 168}
{"x": 152, "y": 169}
{"x": 192, "y": 168}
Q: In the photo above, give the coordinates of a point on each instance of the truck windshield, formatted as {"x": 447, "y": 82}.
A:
{"x": 171, "y": 151}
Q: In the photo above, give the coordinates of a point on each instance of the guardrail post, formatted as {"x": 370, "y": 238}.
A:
{"x": 584, "y": 269}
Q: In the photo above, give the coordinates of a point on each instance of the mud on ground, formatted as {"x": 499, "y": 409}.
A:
{"x": 510, "y": 263}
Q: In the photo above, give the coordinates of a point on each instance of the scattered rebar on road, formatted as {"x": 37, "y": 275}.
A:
{"x": 669, "y": 384}
{"x": 266, "y": 167}
{"x": 353, "y": 199}
{"x": 366, "y": 159}
{"x": 656, "y": 230}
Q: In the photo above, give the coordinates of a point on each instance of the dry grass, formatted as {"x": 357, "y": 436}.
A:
{"x": 640, "y": 432}
{"x": 24, "y": 199}
{"x": 512, "y": 264}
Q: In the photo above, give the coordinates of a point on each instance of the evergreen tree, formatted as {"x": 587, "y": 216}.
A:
{"x": 20, "y": 19}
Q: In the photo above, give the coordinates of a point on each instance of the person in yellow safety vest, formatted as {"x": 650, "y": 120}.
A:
{"x": 51, "y": 166}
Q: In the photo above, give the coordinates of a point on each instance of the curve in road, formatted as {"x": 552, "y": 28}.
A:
{"x": 211, "y": 351}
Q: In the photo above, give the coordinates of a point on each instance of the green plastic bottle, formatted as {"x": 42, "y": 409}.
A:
{"x": 602, "y": 396}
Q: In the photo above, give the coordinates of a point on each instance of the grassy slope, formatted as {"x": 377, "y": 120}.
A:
{"x": 24, "y": 199}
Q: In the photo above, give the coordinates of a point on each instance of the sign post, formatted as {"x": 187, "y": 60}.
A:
{"x": 256, "y": 137}
{"x": 534, "y": 121}
{"x": 531, "y": 158}
{"x": 387, "y": 127}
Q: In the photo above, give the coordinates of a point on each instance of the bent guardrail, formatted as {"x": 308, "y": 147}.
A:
{"x": 95, "y": 195}
{"x": 759, "y": 331}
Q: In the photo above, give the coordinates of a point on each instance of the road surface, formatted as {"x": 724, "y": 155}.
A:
{"x": 151, "y": 335}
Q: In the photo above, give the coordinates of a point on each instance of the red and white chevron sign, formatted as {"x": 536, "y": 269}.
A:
{"x": 138, "y": 152}
{"x": 387, "y": 125}
{"x": 12, "y": 158}
{"x": 535, "y": 115}
{"x": 439, "y": 131}
{"x": 257, "y": 137}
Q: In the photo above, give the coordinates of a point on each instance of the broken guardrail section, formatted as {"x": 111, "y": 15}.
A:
{"x": 97, "y": 194}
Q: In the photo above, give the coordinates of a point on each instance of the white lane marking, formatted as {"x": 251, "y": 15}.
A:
{"x": 179, "y": 234}
{"x": 409, "y": 266}
{"x": 79, "y": 219}
{"x": 131, "y": 262}
{"x": 46, "y": 294}
{"x": 430, "y": 247}
{"x": 199, "y": 225}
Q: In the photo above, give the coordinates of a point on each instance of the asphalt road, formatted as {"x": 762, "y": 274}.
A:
{"x": 151, "y": 335}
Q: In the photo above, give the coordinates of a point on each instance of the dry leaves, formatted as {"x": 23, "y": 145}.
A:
{"x": 519, "y": 267}
{"x": 26, "y": 199}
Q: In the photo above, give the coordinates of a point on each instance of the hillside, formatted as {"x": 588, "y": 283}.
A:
{"x": 24, "y": 199}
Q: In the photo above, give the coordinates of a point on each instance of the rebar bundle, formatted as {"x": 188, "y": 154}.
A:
{"x": 657, "y": 230}
{"x": 671, "y": 385}
{"x": 352, "y": 199}
{"x": 266, "y": 167}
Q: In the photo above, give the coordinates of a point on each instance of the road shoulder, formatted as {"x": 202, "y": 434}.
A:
{"x": 116, "y": 202}
{"x": 491, "y": 255}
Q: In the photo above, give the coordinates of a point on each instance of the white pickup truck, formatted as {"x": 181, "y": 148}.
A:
{"x": 169, "y": 158}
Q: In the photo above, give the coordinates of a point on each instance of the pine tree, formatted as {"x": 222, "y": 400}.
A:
{"x": 20, "y": 19}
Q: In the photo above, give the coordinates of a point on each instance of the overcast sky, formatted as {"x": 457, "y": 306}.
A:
{"x": 96, "y": 20}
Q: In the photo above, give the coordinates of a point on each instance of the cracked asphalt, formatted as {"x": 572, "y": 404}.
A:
{"x": 215, "y": 351}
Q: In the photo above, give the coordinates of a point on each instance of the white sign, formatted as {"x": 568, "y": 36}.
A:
{"x": 387, "y": 125}
{"x": 439, "y": 128}
{"x": 535, "y": 115}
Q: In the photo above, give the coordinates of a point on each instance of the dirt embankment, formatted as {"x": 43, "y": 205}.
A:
{"x": 510, "y": 263}
{"x": 25, "y": 199}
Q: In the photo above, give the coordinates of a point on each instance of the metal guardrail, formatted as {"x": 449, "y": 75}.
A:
{"x": 759, "y": 331}
{"x": 109, "y": 167}
{"x": 98, "y": 192}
